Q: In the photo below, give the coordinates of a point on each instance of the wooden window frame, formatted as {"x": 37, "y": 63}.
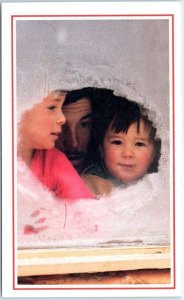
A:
{"x": 31, "y": 262}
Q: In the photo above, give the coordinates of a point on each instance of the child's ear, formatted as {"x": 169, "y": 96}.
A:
{"x": 151, "y": 162}
{"x": 153, "y": 155}
{"x": 152, "y": 159}
{"x": 101, "y": 150}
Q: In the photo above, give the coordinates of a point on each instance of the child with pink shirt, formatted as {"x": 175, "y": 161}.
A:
{"x": 39, "y": 128}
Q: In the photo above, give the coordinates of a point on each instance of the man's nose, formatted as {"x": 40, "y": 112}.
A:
{"x": 73, "y": 141}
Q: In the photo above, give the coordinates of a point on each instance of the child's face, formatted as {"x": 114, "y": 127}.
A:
{"x": 128, "y": 156}
{"x": 41, "y": 125}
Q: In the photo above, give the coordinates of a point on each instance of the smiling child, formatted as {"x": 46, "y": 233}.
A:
{"x": 127, "y": 145}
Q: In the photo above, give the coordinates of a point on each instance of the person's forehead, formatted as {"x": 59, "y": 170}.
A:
{"x": 80, "y": 107}
{"x": 55, "y": 97}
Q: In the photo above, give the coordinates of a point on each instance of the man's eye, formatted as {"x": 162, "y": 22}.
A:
{"x": 86, "y": 124}
{"x": 116, "y": 142}
{"x": 140, "y": 144}
{"x": 51, "y": 107}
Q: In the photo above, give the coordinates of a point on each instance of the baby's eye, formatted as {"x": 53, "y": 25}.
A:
{"x": 116, "y": 142}
{"x": 140, "y": 144}
{"x": 51, "y": 107}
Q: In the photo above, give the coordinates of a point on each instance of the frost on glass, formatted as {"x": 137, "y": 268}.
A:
{"x": 130, "y": 57}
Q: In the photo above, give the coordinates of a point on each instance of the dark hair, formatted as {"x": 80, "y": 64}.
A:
{"x": 75, "y": 95}
{"x": 120, "y": 113}
{"x": 97, "y": 97}
{"x": 117, "y": 111}
{"x": 155, "y": 140}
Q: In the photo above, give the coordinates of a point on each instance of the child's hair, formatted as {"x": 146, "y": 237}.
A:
{"x": 120, "y": 113}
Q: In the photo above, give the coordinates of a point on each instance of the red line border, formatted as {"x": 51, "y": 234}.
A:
{"x": 93, "y": 15}
{"x": 173, "y": 141}
{"x": 13, "y": 163}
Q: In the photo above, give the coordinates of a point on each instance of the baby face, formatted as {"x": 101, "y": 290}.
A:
{"x": 41, "y": 125}
{"x": 127, "y": 156}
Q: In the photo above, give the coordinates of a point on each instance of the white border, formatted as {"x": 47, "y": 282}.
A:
{"x": 77, "y": 8}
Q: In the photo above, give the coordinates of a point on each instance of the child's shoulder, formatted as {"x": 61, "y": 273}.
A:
{"x": 97, "y": 170}
{"x": 97, "y": 184}
{"x": 98, "y": 179}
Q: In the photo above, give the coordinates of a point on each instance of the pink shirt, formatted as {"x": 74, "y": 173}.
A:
{"x": 56, "y": 172}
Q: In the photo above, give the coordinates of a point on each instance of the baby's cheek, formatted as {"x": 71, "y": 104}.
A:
{"x": 110, "y": 155}
{"x": 145, "y": 161}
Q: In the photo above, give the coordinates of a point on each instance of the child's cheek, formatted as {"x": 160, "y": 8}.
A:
{"x": 145, "y": 160}
{"x": 110, "y": 154}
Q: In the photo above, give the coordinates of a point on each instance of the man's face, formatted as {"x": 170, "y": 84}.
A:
{"x": 76, "y": 133}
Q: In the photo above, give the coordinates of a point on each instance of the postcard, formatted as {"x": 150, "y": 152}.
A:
{"x": 91, "y": 122}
